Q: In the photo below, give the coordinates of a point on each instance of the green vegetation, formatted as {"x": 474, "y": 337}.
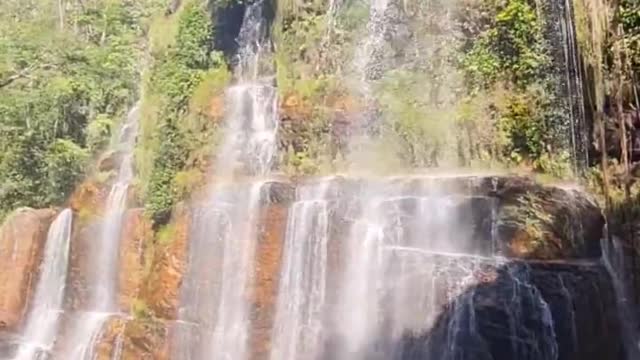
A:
{"x": 630, "y": 20}
{"x": 486, "y": 95}
{"x": 471, "y": 87}
{"x": 67, "y": 76}
{"x": 140, "y": 310}
{"x": 308, "y": 60}
{"x": 507, "y": 63}
{"x": 178, "y": 129}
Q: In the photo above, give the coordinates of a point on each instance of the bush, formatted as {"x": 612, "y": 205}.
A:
{"x": 98, "y": 133}
{"x": 77, "y": 78}
{"x": 183, "y": 78}
{"x": 65, "y": 163}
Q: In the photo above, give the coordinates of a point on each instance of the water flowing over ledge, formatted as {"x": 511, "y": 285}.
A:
{"x": 100, "y": 302}
{"x": 442, "y": 267}
{"x": 345, "y": 267}
{"x": 41, "y": 326}
{"x": 214, "y": 311}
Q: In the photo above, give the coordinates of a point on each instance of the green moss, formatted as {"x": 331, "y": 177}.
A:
{"x": 185, "y": 75}
{"x": 140, "y": 310}
{"x": 212, "y": 85}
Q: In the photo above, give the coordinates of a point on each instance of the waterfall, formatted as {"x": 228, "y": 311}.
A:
{"x": 377, "y": 284}
{"x": 118, "y": 347}
{"x": 302, "y": 294}
{"x": 332, "y": 13}
{"x": 579, "y": 129}
{"x": 41, "y": 325}
{"x": 214, "y": 310}
{"x": 251, "y": 104}
{"x": 615, "y": 258}
{"x": 366, "y": 59}
{"x": 102, "y": 278}
{"x": 570, "y": 129}
{"x": 409, "y": 282}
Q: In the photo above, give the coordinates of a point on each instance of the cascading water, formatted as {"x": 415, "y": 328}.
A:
{"x": 570, "y": 129}
{"x": 367, "y": 58}
{"x": 420, "y": 274}
{"x": 42, "y": 322}
{"x": 403, "y": 273}
{"x": 376, "y": 285}
{"x": 302, "y": 295}
{"x": 214, "y": 313}
{"x": 102, "y": 276}
{"x": 615, "y": 258}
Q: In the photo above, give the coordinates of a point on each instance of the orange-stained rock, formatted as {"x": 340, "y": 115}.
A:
{"x": 22, "y": 239}
{"x": 345, "y": 103}
{"x": 168, "y": 257}
{"x": 294, "y": 107}
{"x": 136, "y": 237}
{"x": 146, "y": 337}
{"x": 132, "y": 339}
{"x": 271, "y": 230}
{"x": 134, "y": 232}
{"x": 88, "y": 200}
{"x": 216, "y": 108}
{"x": 79, "y": 261}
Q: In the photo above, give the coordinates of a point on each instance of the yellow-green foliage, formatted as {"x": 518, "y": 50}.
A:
{"x": 67, "y": 78}
{"x": 306, "y": 61}
{"x": 140, "y": 310}
{"x": 212, "y": 85}
{"x": 187, "y": 181}
{"x": 184, "y": 75}
{"x": 163, "y": 31}
{"x": 420, "y": 126}
{"x": 166, "y": 234}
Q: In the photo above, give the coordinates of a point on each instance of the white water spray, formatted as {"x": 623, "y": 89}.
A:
{"x": 303, "y": 285}
{"x": 214, "y": 313}
{"x": 103, "y": 276}
{"x": 42, "y": 322}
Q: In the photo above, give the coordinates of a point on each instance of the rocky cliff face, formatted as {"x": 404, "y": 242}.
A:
{"x": 532, "y": 245}
{"x": 22, "y": 238}
{"x": 548, "y": 235}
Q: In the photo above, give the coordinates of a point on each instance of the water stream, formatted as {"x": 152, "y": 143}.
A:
{"x": 303, "y": 283}
{"x": 102, "y": 277}
{"x": 403, "y": 273}
{"x": 214, "y": 312}
{"x": 41, "y": 325}
{"x": 616, "y": 259}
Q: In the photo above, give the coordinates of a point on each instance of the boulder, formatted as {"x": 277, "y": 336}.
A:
{"x": 563, "y": 311}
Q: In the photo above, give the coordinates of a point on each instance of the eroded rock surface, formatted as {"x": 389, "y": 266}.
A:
{"x": 523, "y": 241}
{"x": 22, "y": 239}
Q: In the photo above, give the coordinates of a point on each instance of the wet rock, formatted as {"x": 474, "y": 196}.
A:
{"x": 280, "y": 192}
{"x": 22, "y": 238}
{"x": 562, "y": 311}
{"x": 491, "y": 212}
{"x": 109, "y": 161}
{"x": 272, "y": 231}
{"x": 84, "y": 233}
{"x": 510, "y": 216}
{"x": 547, "y": 222}
{"x": 135, "y": 338}
{"x": 168, "y": 258}
{"x": 134, "y": 241}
